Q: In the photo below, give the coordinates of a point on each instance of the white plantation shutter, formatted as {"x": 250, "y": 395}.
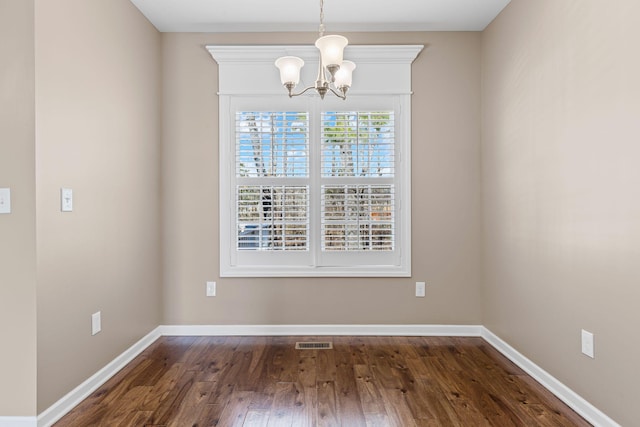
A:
{"x": 358, "y": 144}
{"x": 358, "y": 187}
{"x": 271, "y": 163}
{"x": 358, "y": 218}
{"x": 358, "y": 210}
{"x": 272, "y": 144}
{"x": 272, "y": 218}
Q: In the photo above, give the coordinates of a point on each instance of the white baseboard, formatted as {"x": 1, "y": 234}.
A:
{"x": 564, "y": 393}
{"x": 327, "y": 330}
{"x": 64, "y": 405}
{"x": 18, "y": 421}
{"x": 77, "y": 395}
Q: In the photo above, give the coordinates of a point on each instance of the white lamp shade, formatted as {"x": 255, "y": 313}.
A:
{"x": 344, "y": 74}
{"x": 331, "y": 49}
{"x": 289, "y": 69}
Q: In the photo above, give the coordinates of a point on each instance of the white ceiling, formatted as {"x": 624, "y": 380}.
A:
{"x": 303, "y": 15}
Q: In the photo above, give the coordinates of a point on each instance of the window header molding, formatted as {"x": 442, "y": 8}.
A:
{"x": 250, "y": 69}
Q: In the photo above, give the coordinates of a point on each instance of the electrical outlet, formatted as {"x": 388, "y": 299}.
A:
{"x": 587, "y": 344}
{"x": 211, "y": 289}
{"x": 96, "y": 323}
{"x": 420, "y": 289}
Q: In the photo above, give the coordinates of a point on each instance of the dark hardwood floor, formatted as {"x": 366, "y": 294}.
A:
{"x": 362, "y": 381}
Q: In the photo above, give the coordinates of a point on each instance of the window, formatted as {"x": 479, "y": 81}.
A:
{"x": 312, "y": 187}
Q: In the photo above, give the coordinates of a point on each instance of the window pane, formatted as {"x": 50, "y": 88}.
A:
{"x": 358, "y": 144}
{"x": 272, "y": 144}
{"x": 357, "y": 217}
{"x": 272, "y": 217}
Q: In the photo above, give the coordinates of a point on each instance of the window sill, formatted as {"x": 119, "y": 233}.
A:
{"x": 297, "y": 271}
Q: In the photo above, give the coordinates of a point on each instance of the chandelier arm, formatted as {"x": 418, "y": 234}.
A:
{"x": 342, "y": 95}
{"x": 291, "y": 94}
{"x": 339, "y": 95}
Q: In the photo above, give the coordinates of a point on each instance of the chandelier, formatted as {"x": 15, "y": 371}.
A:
{"x": 334, "y": 73}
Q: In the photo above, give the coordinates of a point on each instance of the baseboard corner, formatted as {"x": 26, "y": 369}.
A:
{"x": 576, "y": 402}
{"x": 77, "y": 395}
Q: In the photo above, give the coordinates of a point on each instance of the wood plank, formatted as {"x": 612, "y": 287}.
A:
{"x": 172, "y": 400}
{"x": 236, "y": 410}
{"x": 210, "y": 416}
{"x": 193, "y": 406}
{"x": 349, "y": 406}
{"x": 396, "y": 407}
{"x": 257, "y": 418}
{"x": 368, "y": 391}
{"x": 283, "y": 403}
{"x": 376, "y": 420}
{"x": 121, "y": 410}
{"x": 137, "y": 419}
{"x": 326, "y": 363}
{"x": 463, "y": 407}
{"x": 327, "y": 405}
{"x": 304, "y": 413}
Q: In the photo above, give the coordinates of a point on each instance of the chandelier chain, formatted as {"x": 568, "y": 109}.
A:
{"x": 321, "y": 29}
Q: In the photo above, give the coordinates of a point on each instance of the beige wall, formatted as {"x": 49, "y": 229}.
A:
{"x": 98, "y": 132}
{"x": 561, "y": 125}
{"x": 446, "y": 123}
{"x": 560, "y": 102}
{"x": 17, "y": 230}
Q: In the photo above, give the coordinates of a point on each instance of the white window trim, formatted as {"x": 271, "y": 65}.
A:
{"x": 249, "y": 72}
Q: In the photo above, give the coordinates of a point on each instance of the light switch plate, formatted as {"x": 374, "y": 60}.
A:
{"x": 5, "y": 200}
{"x": 421, "y": 289}
{"x": 96, "y": 322}
{"x": 66, "y": 199}
{"x": 587, "y": 344}
{"x": 211, "y": 289}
